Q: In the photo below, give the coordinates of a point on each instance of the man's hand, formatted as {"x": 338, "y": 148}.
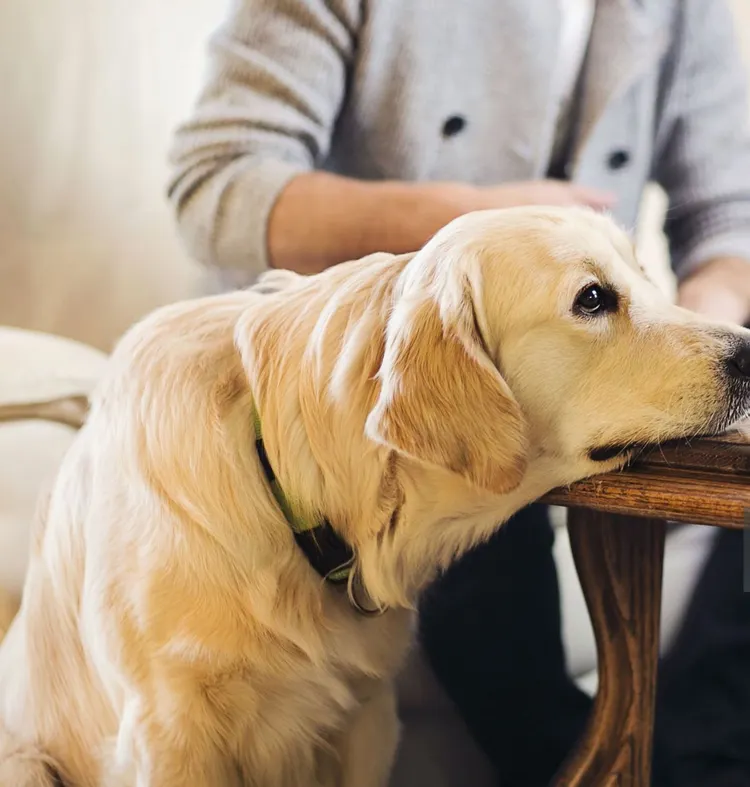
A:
{"x": 547, "y": 192}
{"x": 460, "y": 198}
{"x": 719, "y": 290}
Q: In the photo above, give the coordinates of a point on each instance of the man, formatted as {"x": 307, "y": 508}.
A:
{"x": 329, "y": 129}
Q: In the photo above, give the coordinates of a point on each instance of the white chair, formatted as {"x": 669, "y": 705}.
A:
{"x": 44, "y": 386}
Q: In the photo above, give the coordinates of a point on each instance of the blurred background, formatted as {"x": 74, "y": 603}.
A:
{"x": 91, "y": 92}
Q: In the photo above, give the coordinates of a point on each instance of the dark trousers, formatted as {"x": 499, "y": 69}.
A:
{"x": 491, "y": 630}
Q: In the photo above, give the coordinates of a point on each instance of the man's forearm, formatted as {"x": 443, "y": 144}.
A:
{"x": 322, "y": 219}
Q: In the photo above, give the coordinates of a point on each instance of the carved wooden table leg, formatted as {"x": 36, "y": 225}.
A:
{"x": 619, "y": 561}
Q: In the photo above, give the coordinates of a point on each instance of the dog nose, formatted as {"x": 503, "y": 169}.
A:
{"x": 738, "y": 363}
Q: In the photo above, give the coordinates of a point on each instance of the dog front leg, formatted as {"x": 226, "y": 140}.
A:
{"x": 149, "y": 754}
{"x": 367, "y": 748}
{"x": 175, "y": 769}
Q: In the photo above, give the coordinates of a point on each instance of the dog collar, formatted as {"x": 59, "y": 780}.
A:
{"x": 325, "y": 550}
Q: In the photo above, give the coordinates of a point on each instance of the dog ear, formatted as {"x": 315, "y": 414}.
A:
{"x": 443, "y": 402}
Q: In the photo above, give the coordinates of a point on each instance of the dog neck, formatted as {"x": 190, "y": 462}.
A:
{"x": 312, "y": 356}
{"x": 327, "y": 552}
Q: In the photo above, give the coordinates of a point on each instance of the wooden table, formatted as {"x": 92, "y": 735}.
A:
{"x": 617, "y": 526}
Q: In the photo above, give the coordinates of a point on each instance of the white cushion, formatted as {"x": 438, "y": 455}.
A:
{"x": 34, "y": 368}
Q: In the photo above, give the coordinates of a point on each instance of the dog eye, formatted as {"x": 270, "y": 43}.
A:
{"x": 594, "y": 299}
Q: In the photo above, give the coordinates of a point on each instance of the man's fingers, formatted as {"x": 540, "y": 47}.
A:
{"x": 547, "y": 192}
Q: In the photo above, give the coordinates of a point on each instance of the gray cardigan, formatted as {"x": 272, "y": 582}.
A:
{"x": 445, "y": 90}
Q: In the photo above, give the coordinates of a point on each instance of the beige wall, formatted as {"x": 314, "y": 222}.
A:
{"x": 87, "y": 243}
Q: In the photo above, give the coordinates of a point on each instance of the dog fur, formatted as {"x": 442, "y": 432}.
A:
{"x": 172, "y": 632}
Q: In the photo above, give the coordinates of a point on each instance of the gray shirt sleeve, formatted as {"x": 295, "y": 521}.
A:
{"x": 703, "y": 141}
{"x": 275, "y": 86}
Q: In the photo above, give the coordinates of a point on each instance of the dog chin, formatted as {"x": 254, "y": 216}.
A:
{"x": 623, "y": 451}
{"x": 628, "y": 452}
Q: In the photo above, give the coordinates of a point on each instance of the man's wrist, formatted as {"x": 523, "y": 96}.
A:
{"x": 416, "y": 211}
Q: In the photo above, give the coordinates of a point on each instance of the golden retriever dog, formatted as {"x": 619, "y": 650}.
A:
{"x": 181, "y": 623}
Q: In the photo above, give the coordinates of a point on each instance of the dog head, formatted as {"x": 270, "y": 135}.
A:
{"x": 532, "y": 332}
